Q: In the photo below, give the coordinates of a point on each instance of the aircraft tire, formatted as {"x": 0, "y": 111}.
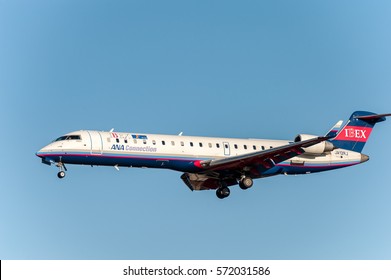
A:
{"x": 222, "y": 192}
{"x": 243, "y": 187}
{"x": 61, "y": 174}
{"x": 246, "y": 183}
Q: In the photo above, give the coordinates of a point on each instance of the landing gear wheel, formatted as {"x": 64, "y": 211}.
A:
{"x": 222, "y": 192}
{"x": 61, "y": 174}
{"x": 246, "y": 183}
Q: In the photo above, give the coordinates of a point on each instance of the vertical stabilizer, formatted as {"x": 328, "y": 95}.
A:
{"x": 357, "y": 130}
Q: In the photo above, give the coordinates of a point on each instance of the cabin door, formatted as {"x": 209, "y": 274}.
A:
{"x": 96, "y": 142}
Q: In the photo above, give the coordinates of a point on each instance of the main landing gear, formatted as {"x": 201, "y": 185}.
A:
{"x": 62, "y": 167}
{"x": 223, "y": 192}
{"x": 244, "y": 183}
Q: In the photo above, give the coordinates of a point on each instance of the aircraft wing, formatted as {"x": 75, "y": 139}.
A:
{"x": 230, "y": 168}
{"x": 264, "y": 158}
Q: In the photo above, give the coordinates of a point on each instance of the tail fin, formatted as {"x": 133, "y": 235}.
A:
{"x": 355, "y": 133}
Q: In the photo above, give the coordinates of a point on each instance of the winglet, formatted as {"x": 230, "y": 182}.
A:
{"x": 334, "y": 130}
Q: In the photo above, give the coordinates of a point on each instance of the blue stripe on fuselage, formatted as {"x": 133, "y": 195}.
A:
{"x": 185, "y": 164}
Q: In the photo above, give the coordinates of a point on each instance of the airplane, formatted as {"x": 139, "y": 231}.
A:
{"x": 216, "y": 164}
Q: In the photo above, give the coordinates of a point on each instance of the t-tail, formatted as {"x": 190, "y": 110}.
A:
{"x": 357, "y": 130}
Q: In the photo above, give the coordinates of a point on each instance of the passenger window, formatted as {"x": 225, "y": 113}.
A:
{"x": 271, "y": 147}
{"x": 126, "y": 141}
{"x": 254, "y": 147}
{"x": 263, "y": 148}
{"x": 200, "y": 144}
{"x": 172, "y": 143}
{"x": 145, "y": 141}
{"x": 217, "y": 145}
{"x": 135, "y": 141}
{"x": 236, "y": 146}
{"x": 226, "y": 146}
{"x": 182, "y": 144}
{"x": 210, "y": 145}
{"x": 117, "y": 140}
{"x": 153, "y": 142}
{"x": 163, "y": 142}
{"x": 191, "y": 144}
{"x": 245, "y": 147}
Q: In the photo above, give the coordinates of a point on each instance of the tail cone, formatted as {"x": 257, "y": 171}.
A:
{"x": 364, "y": 158}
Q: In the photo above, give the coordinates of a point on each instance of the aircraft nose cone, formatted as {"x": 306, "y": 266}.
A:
{"x": 364, "y": 158}
{"x": 38, "y": 154}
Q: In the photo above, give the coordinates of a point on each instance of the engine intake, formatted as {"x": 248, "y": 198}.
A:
{"x": 319, "y": 148}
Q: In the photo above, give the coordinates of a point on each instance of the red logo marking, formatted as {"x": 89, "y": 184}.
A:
{"x": 354, "y": 133}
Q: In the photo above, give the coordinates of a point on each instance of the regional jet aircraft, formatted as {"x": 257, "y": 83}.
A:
{"x": 216, "y": 163}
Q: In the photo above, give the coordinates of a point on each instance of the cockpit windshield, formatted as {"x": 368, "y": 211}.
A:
{"x": 68, "y": 137}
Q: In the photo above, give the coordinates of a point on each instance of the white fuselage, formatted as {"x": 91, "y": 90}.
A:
{"x": 180, "y": 153}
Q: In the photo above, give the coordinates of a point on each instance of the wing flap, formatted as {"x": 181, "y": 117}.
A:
{"x": 199, "y": 182}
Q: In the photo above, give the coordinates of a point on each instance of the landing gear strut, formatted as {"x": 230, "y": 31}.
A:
{"x": 62, "y": 167}
{"x": 245, "y": 183}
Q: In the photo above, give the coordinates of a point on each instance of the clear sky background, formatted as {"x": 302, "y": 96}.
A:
{"x": 250, "y": 69}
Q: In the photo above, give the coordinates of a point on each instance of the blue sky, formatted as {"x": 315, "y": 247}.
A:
{"x": 251, "y": 69}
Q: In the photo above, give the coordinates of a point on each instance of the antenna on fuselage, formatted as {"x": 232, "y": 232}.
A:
{"x": 180, "y": 133}
{"x": 111, "y": 130}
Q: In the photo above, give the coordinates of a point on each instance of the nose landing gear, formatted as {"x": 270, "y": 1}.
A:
{"x": 62, "y": 167}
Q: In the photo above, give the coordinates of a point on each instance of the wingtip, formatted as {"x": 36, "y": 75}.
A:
{"x": 339, "y": 124}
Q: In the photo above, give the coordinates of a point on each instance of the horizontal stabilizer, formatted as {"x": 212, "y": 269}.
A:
{"x": 374, "y": 118}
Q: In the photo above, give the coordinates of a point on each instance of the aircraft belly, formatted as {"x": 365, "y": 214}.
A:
{"x": 306, "y": 164}
{"x": 334, "y": 160}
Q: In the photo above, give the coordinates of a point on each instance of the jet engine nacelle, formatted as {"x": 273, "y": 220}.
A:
{"x": 319, "y": 148}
